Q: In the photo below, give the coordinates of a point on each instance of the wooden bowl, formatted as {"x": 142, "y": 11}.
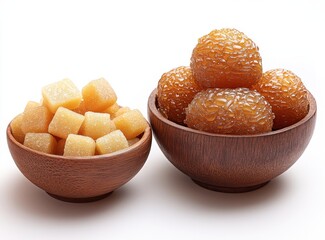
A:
{"x": 231, "y": 163}
{"x": 80, "y": 179}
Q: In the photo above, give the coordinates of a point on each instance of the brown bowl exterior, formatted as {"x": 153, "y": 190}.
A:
{"x": 80, "y": 179}
{"x": 231, "y": 163}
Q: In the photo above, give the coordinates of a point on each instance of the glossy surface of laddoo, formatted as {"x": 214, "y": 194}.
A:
{"x": 230, "y": 111}
{"x": 176, "y": 90}
{"x": 287, "y": 95}
{"x": 226, "y": 58}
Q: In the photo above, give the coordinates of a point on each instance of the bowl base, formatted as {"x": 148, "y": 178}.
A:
{"x": 229, "y": 189}
{"x": 80, "y": 200}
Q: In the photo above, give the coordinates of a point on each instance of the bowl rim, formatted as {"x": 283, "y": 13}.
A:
{"x": 152, "y": 101}
{"x": 145, "y": 135}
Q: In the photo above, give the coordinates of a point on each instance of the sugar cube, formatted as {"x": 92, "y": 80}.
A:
{"x": 61, "y": 94}
{"x": 111, "y": 142}
{"x": 78, "y": 145}
{"x": 15, "y": 126}
{"x": 42, "y": 142}
{"x": 65, "y": 122}
{"x": 131, "y": 123}
{"x": 36, "y": 119}
{"x": 96, "y": 125}
{"x": 98, "y": 95}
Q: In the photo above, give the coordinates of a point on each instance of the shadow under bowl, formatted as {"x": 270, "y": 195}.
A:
{"x": 231, "y": 163}
{"x": 80, "y": 179}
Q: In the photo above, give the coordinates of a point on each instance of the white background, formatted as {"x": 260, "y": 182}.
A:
{"x": 131, "y": 44}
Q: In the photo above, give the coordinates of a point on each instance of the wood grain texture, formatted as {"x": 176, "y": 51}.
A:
{"x": 80, "y": 179}
{"x": 231, "y": 163}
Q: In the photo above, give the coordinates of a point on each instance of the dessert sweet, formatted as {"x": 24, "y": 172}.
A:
{"x": 287, "y": 95}
{"x": 226, "y": 58}
{"x": 176, "y": 89}
{"x": 230, "y": 111}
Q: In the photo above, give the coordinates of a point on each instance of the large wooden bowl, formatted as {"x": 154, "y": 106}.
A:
{"x": 231, "y": 163}
{"x": 80, "y": 179}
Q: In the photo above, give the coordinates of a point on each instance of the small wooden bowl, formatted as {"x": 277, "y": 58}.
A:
{"x": 80, "y": 179}
{"x": 231, "y": 163}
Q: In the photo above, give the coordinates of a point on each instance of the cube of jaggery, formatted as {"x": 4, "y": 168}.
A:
{"x": 78, "y": 145}
{"x": 96, "y": 125}
{"x": 31, "y": 104}
{"x": 36, "y": 119}
{"x": 81, "y": 108}
{"x": 42, "y": 142}
{"x": 131, "y": 123}
{"x": 112, "y": 109}
{"x": 61, "y": 94}
{"x": 98, "y": 95}
{"x": 119, "y": 112}
{"x": 111, "y": 142}
{"x": 60, "y": 146}
{"x": 15, "y": 126}
{"x": 65, "y": 122}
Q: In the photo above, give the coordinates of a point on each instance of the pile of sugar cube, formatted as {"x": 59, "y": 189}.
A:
{"x": 70, "y": 122}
